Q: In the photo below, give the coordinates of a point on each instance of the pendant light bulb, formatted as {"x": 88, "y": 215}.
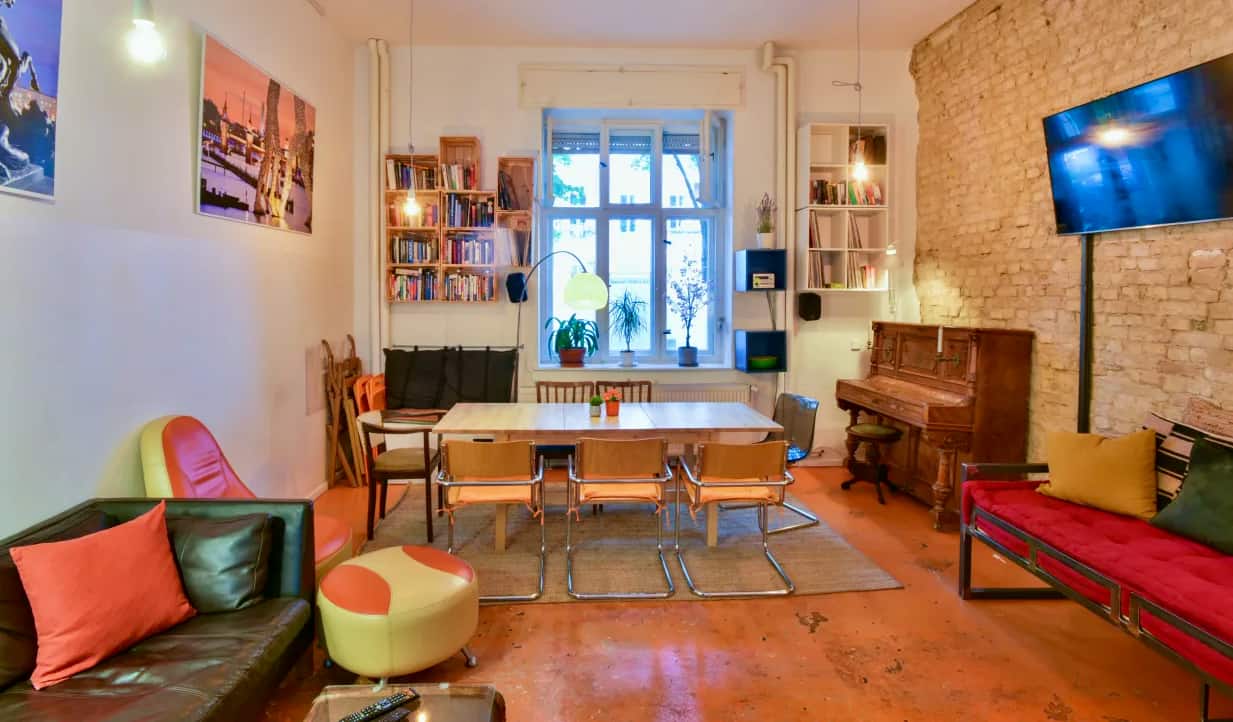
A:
{"x": 411, "y": 206}
{"x": 860, "y": 171}
{"x": 145, "y": 43}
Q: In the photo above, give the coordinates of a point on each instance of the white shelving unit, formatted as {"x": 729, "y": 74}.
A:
{"x": 843, "y": 225}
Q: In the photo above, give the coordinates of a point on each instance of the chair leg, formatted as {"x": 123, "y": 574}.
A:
{"x": 811, "y": 519}
{"x": 543, "y": 563}
{"x": 788, "y": 589}
{"x": 428, "y": 507}
{"x": 385, "y": 493}
{"x": 663, "y": 562}
{"x": 372, "y": 505}
{"x": 471, "y": 659}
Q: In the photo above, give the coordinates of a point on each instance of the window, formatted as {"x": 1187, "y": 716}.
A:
{"x": 637, "y": 199}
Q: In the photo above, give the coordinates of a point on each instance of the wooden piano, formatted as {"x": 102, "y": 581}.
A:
{"x": 968, "y": 402}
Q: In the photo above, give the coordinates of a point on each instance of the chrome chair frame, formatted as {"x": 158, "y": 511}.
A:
{"x": 782, "y": 484}
{"x": 573, "y": 494}
{"x": 536, "y": 483}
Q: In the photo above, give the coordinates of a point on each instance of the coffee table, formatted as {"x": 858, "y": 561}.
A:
{"x": 437, "y": 703}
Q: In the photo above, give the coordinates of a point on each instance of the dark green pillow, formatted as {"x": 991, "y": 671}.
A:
{"x": 1203, "y": 511}
{"x": 224, "y": 562}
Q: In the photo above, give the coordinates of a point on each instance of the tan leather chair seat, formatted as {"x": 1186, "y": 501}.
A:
{"x": 411, "y": 460}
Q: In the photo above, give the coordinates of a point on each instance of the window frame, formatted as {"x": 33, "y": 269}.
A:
{"x": 712, "y": 213}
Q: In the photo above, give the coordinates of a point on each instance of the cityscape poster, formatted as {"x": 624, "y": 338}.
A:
{"x": 257, "y": 145}
{"x": 29, "y": 85}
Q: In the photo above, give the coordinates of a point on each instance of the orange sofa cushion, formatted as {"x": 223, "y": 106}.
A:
{"x": 100, "y": 594}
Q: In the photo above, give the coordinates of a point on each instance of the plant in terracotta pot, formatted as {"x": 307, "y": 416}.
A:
{"x": 573, "y": 339}
{"x": 766, "y": 221}
{"x": 612, "y": 402}
{"x": 628, "y": 317}
{"x": 596, "y": 404}
{"x": 690, "y": 292}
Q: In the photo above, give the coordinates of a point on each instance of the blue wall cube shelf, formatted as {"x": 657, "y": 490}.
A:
{"x": 763, "y": 260}
{"x": 751, "y": 344}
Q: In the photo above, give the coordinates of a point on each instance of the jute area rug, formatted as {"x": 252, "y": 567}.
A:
{"x": 616, "y": 550}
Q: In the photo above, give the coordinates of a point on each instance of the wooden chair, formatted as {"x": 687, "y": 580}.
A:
{"x": 498, "y": 473}
{"x": 407, "y": 463}
{"x": 749, "y": 473}
{"x": 613, "y": 471}
{"x": 563, "y": 392}
{"x": 632, "y": 391}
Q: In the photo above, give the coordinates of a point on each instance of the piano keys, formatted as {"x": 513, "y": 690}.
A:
{"x": 966, "y": 402}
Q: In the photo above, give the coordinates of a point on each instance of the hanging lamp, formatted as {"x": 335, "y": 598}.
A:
{"x": 411, "y": 206}
{"x": 860, "y": 170}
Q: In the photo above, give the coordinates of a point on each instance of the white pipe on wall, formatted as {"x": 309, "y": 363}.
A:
{"x": 383, "y": 139}
{"x": 374, "y": 213}
{"x": 785, "y": 172}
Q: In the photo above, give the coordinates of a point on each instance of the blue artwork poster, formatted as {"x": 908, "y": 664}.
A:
{"x": 29, "y": 85}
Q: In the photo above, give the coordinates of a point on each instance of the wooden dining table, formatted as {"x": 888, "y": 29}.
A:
{"x": 680, "y": 422}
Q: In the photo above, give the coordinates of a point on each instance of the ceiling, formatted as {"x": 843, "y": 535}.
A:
{"x": 886, "y": 24}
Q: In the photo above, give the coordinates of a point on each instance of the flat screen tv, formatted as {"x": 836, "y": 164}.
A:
{"x": 1157, "y": 154}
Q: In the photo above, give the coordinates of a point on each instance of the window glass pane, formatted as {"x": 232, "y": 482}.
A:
{"x": 629, "y": 166}
{"x": 629, "y": 269}
{"x": 575, "y": 180}
{"x": 682, "y": 171}
{"x": 576, "y": 235}
{"x": 688, "y": 272}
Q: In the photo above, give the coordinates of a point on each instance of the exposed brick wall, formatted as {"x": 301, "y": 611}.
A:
{"x": 986, "y": 250}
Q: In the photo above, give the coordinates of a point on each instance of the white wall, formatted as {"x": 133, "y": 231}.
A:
{"x": 118, "y": 304}
{"x": 474, "y": 91}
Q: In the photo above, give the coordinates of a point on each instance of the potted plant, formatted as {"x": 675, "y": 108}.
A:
{"x": 573, "y": 339}
{"x": 766, "y": 221}
{"x": 596, "y": 404}
{"x": 628, "y": 316}
{"x": 691, "y": 291}
{"x": 612, "y": 402}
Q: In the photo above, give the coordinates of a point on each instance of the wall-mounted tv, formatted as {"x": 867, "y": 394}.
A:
{"x": 1157, "y": 154}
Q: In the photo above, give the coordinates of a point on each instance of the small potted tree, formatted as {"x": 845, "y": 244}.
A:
{"x": 573, "y": 340}
{"x": 596, "y": 405}
{"x": 628, "y": 316}
{"x": 690, "y": 293}
{"x": 766, "y": 221}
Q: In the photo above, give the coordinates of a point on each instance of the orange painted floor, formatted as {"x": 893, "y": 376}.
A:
{"x": 913, "y": 655}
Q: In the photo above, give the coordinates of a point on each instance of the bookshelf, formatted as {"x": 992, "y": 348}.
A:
{"x": 843, "y": 223}
{"x": 455, "y": 248}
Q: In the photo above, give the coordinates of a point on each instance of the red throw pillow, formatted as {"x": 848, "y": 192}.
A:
{"x": 100, "y": 594}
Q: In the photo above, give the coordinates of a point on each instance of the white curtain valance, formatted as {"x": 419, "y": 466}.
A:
{"x": 703, "y": 87}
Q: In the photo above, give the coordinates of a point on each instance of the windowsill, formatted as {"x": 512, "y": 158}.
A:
{"x": 616, "y": 366}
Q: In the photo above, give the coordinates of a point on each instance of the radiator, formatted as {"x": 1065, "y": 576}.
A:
{"x": 744, "y": 393}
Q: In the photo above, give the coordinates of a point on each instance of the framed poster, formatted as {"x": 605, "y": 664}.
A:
{"x": 257, "y": 141}
{"x": 29, "y": 85}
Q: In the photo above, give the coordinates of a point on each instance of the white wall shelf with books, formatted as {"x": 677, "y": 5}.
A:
{"x": 842, "y": 213}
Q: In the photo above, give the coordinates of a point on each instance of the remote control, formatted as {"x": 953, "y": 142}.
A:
{"x": 396, "y": 716}
{"x": 380, "y": 707}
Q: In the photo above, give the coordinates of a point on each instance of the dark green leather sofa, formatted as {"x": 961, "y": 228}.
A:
{"x": 214, "y": 667}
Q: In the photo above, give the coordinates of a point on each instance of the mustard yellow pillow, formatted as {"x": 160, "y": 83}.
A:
{"x": 1117, "y": 475}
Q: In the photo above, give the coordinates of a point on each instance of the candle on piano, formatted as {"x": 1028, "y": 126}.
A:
{"x": 939, "y": 340}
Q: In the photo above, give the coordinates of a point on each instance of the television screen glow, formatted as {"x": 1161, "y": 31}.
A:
{"x": 1157, "y": 154}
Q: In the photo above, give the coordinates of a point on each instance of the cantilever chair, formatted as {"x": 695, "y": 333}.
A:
{"x": 498, "y": 473}
{"x": 753, "y": 473}
{"x": 615, "y": 471}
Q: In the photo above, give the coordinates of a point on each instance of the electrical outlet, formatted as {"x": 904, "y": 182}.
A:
{"x": 857, "y": 344}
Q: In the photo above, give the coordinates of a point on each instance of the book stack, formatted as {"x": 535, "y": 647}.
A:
{"x": 468, "y": 211}
{"x": 412, "y": 248}
{"x": 468, "y": 248}
{"x": 460, "y": 286}
{"x": 846, "y": 193}
{"x": 413, "y": 285}
{"x": 458, "y": 177}
{"x": 513, "y": 247}
{"x": 401, "y": 175}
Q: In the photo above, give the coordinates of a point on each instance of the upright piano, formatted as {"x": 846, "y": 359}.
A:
{"x": 968, "y": 401}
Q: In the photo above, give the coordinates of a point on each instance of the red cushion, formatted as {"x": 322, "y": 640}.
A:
{"x": 100, "y": 594}
{"x": 1182, "y": 576}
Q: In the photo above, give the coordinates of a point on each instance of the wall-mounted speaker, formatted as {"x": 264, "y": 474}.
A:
{"x": 515, "y": 284}
{"x": 809, "y": 306}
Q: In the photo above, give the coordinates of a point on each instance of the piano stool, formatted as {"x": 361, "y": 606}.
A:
{"x": 874, "y": 435}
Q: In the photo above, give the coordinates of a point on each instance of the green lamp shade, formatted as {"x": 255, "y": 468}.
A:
{"x": 586, "y": 292}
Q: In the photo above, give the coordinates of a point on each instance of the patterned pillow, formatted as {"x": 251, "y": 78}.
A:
{"x": 1173, "y": 444}
{"x": 1209, "y": 417}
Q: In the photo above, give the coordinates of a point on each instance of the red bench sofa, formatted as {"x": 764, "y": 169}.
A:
{"x": 1174, "y": 594}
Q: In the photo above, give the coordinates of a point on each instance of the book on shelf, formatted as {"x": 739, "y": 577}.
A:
{"x": 461, "y": 286}
{"x": 428, "y": 217}
{"x": 413, "y": 248}
{"x": 468, "y": 211}
{"x": 870, "y": 147}
{"x": 512, "y": 246}
{"x": 467, "y": 248}
{"x": 401, "y": 175}
{"x": 846, "y": 193}
{"x": 458, "y": 176}
{"x": 415, "y": 284}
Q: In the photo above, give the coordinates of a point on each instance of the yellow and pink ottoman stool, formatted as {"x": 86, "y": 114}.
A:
{"x": 398, "y": 610}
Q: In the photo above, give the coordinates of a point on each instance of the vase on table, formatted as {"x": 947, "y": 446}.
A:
{"x": 612, "y": 408}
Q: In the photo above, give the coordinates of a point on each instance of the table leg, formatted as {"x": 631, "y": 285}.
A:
{"x": 499, "y": 526}
{"x": 712, "y": 524}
